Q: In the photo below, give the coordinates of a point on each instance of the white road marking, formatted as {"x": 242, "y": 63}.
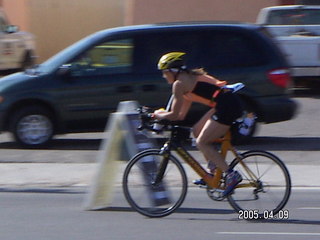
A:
{"x": 309, "y": 208}
{"x": 268, "y": 233}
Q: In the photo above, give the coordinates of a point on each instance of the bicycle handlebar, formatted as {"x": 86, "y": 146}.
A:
{"x": 148, "y": 122}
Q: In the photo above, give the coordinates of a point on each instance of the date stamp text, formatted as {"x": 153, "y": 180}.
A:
{"x": 265, "y": 215}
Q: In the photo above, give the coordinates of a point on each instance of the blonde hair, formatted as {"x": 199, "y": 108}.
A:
{"x": 197, "y": 71}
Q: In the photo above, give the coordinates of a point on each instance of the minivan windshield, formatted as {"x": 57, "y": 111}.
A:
{"x": 65, "y": 55}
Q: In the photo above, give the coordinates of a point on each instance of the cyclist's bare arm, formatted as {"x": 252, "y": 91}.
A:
{"x": 178, "y": 104}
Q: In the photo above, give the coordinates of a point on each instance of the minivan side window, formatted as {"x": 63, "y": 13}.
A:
{"x": 212, "y": 49}
{"x": 227, "y": 50}
{"x": 109, "y": 57}
{"x": 150, "y": 47}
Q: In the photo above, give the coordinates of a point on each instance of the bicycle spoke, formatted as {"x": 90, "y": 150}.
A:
{"x": 268, "y": 190}
{"x": 149, "y": 199}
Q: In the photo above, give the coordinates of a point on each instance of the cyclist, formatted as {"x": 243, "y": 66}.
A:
{"x": 195, "y": 85}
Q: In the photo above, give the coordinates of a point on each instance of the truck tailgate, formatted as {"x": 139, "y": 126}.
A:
{"x": 301, "y": 51}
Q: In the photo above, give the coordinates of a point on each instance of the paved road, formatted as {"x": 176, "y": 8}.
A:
{"x": 54, "y": 215}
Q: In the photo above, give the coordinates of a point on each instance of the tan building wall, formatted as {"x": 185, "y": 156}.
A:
{"x": 58, "y": 23}
{"x": 17, "y": 12}
{"x": 153, "y": 11}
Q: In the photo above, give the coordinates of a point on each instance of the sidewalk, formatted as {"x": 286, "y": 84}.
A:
{"x": 66, "y": 175}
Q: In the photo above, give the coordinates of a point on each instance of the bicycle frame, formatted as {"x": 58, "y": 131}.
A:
{"x": 256, "y": 168}
{"x": 212, "y": 181}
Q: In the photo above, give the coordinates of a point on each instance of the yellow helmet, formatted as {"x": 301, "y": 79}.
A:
{"x": 171, "y": 60}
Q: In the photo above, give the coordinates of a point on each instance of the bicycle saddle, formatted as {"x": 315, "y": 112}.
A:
{"x": 234, "y": 87}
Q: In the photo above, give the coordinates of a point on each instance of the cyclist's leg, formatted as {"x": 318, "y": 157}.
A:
{"x": 228, "y": 109}
{"x": 212, "y": 130}
{"x": 200, "y": 124}
{"x": 196, "y": 131}
{"x": 216, "y": 127}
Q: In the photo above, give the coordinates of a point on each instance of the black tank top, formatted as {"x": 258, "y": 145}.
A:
{"x": 205, "y": 90}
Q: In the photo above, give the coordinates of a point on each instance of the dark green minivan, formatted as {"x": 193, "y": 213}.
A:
{"x": 75, "y": 90}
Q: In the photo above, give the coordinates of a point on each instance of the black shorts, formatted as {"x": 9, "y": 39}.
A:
{"x": 228, "y": 109}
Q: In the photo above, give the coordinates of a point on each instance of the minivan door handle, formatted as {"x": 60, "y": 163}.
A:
{"x": 149, "y": 87}
{"x": 125, "y": 89}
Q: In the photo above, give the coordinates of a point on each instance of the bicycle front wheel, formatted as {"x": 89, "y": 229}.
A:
{"x": 147, "y": 197}
{"x": 266, "y": 185}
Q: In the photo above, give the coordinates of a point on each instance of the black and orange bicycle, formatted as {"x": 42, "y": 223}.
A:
{"x": 155, "y": 182}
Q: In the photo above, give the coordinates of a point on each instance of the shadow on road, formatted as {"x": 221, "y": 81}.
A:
{"x": 258, "y": 143}
{"x": 61, "y": 144}
{"x": 222, "y": 211}
{"x": 283, "y": 144}
{"x": 289, "y": 221}
{"x": 179, "y": 210}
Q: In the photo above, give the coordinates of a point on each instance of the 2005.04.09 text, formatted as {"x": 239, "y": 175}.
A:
{"x": 256, "y": 215}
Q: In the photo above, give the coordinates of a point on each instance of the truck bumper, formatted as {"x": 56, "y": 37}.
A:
{"x": 305, "y": 71}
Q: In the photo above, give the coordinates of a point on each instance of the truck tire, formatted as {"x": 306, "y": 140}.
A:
{"x": 32, "y": 126}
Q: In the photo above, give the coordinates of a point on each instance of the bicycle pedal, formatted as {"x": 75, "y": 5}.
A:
{"x": 216, "y": 194}
{"x": 216, "y": 190}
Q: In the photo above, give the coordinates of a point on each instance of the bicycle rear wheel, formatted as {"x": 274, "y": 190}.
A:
{"x": 266, "y": 184}
{"x": 147, "y": 198}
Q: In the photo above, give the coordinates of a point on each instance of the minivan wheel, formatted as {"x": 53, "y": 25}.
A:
{"x": 32, "y": 126}
{"x": 244, "y": 128}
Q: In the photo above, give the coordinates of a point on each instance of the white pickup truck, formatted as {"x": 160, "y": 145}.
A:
{"x": 296, "y": 29}
{"x": 17, "y": 49}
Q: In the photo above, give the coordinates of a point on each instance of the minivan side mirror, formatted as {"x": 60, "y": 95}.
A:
{"x": 12, "y": 29}
{"x": 64, "y": 70}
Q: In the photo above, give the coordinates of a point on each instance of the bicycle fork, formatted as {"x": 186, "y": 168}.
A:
{"x": 165, "y": 152}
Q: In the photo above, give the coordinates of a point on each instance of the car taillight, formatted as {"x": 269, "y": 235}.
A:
{"x": 280, "y": 77}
